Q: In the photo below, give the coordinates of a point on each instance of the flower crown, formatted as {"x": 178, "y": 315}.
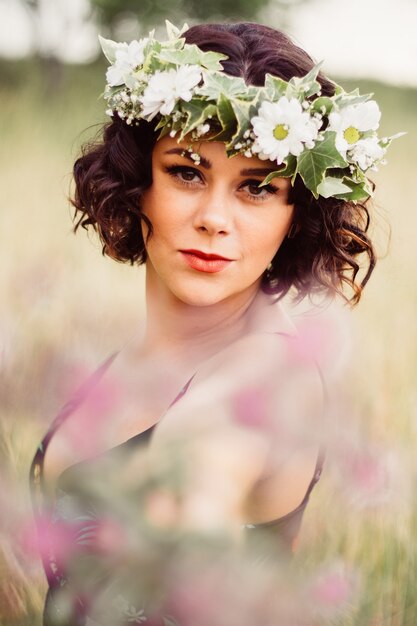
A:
{"x": 331, "y": 142}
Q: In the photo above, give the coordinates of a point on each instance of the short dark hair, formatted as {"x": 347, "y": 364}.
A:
{"x": 113, "y": 172}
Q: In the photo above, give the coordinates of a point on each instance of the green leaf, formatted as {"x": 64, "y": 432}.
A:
{"x": 308, "y": 84}
{"x": 242, "y": 111}
{"x": 151, "y": 61}
{"x": 226, "y": 114}
{"x": 312, "y": 164}
{"x": 173, "y": 32}
{"x": 164, "y": 131}
{"x": 287, "y": 169}
{"x": 109, "y": 48}
{"x": 275, "y": 87}
{"x": 385, "y": 142}
{"x": 218, "y": 83}
{"x": 194, "y": 56}
{"x": 162, "y": 122}
{"x": 353, "y": 97}
{"x": 323, "y": 105}
{"x": 357, "y": 191}
{"x": 331, "y": 186}
{"x": 197, "y": 113}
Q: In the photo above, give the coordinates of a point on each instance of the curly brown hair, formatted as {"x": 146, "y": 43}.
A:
{"x": 113, "y": 172}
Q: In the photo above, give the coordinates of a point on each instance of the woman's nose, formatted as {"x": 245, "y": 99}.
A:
{"x": 214, "y": 213}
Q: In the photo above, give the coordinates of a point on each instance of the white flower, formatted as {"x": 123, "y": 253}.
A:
{"x": 366, "y": 152}
{"x": 166, "y": 88}
{"x": 282, "y": 128}
{"x": 128, "y": 58}
{"x": 351, "y": 121}
{"x": 202, "y": 129}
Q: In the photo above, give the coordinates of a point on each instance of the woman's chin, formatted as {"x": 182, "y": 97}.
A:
{"x": 202, "y": 296}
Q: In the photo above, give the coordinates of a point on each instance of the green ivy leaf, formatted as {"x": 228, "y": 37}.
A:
{"x": 226, "y": 114}
{"x": 275, "y": 87}
{"x": 357, "y": 191}
{"x": 243, "y": 112}
{"x": 164, "y": 131}
{"x": 173, "y": 32}
{"x": 323, "y": 105}
{"x": 218, "y": 83}
{"x": 287, "y": 169}
{"x": 197, "y": 113}
{"x": 312, "y": 164}
{"x": 109, "y": 48}
{"x": 353, "y": 97}
{"x": 385, "y": 142}
{"x": 151, "y": 61}
{"x": 194, "y": 56}
{"x": 331, "y": 186}
{"x": 307, "y": 85}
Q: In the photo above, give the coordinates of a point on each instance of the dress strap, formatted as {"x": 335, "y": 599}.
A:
{"x": 36, "y": 475}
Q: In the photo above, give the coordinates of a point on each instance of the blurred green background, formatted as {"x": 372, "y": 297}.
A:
{"x": 65, "y": 308}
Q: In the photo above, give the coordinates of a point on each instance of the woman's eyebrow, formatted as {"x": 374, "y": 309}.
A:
{"x": 203, "y": 161}
{"x": 254, "y": 171}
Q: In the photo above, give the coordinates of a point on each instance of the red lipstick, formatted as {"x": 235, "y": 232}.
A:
{"x": 204, "y": 261}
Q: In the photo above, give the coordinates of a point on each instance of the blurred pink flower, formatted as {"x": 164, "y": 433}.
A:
{"x": 43, "y": 537}
{"x": 332, "y": 589}
{"x": 250, "y": 408}
{"x": 372, "y": 475}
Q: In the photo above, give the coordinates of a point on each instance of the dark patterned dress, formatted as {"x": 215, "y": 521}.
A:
{"x": 85, "y": 518}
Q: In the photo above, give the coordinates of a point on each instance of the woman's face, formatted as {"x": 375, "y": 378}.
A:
{"x": 214, "y": 208}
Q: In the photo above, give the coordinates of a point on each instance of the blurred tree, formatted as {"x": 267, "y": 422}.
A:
{"x": 51, "y": 67}
{"x": 62, "y": 32}
{"x": 149, "y": 13}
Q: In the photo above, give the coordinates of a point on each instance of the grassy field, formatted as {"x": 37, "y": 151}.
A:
{"x": 59, "y": 315}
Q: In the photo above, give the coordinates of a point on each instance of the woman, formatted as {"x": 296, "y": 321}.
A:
{"x": 219, "y": 250}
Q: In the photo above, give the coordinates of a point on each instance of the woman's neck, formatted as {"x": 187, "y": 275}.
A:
{"x": 187, "y": 331}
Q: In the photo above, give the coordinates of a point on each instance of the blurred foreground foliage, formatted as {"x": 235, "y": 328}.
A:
{"x": 67, "y": 308}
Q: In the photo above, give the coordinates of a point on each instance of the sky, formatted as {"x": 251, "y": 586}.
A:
{"x": 355, "y": 38}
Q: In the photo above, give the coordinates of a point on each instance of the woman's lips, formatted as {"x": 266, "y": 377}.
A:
{"x": 202, "y": 262}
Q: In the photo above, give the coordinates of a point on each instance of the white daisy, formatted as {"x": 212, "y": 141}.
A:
{"x": 166, "y": 88}
{"x": 128, "y": 58}
{"x": 366, "y": 152}
{"x": 351, "y": 122}
{"x": 283, "y": 128}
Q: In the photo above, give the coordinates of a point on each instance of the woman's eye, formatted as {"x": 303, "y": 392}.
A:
{"x": 260, "y": 193}
{"x": 183, "y": 174}
{"x": 189, "y": 176}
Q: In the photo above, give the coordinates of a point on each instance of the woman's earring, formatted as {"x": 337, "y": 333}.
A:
{"x": 268, "y": 271}
{"x": 292, "y": 231}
